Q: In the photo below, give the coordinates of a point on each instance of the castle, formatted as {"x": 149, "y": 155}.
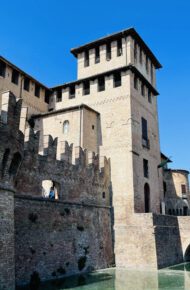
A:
{"x": 126, "y": 208}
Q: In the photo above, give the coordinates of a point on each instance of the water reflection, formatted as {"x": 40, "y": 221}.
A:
{"x": 173, "y": 278}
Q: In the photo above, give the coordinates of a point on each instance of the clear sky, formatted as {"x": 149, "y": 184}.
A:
{"x": 37, "y": 37}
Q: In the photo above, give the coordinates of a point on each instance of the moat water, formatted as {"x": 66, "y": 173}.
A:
{"x": 173, "y": 278}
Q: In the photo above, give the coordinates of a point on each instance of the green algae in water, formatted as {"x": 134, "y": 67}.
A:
{"x": 172, "y": 278}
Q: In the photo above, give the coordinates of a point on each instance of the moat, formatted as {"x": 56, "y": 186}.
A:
{"x": 173, "y": 278}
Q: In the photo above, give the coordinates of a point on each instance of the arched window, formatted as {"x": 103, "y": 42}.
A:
{"x": 15, "y": 163}
{"x": 4, "y": 161}
{"x": 170, "y": 211}
{"x": 147, "y": 197}
{"x": 66, "y": 127}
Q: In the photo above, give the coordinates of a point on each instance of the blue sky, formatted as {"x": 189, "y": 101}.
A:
{"x": 37, "y": 37}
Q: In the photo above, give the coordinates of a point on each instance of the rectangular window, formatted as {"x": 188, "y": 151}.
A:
{"x": 2, "y": 68}
{"x": 15, "y": 77}
{"x": 26, "y": 84}
{"x": 47, "y": 96}
{"x": 119, "y": 47}
{"x": 149, "y": 96}
{"x": 59, "y": 95}
{"x": 145, "y": 141}
{"x": 117, "y": 80}
{"x": 183, "y": 188}
{"x": 145, "y": 168}
{"x": 108, "y": 51}
{"x": 86, "y": 58}
{"x": 101, "y": 84}
{"x": 135, "y": 82}
{"x": 147, "y": 70}
{"x": 135, "y": 51}
{"x": 140, "y": 56}
{"x": 97, "y": 54}
{"x": 37, "y": 91}
{"x": 72, "y": 92}
{"x": 86, "y": 88}
{"x": 142, "y": 89}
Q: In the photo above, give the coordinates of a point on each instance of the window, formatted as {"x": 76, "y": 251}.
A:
{"x": 72, "y": 92}
{"x": 135, "y": 82}
{"x": 164, "y": 188}
{"x": 117, "y": 80}
{"x": 66, "y": 127}
{"x": 183, "y": 188}
{"x": 108, "y": 51}
{"x": 2, "y": 68}
{"x": 135, "y": 51}
{"x": 145, "y": 141}
{"x": 97, "y": 55}
{"x": 37, "y": 90}
{"x": 142, "y": 90}
{"x": 149, "y": 96}
{"x": 119, "y": 47}
{"x": 26, "y": 84}
{"x": 15, "y": 77}
{"x": 103, "y": 195}
{"x": 93, "y": 127}
{"x": 147, "y": 198}
{"x": 140, "y": 56}
{"x": 145, "y": 168}
{"x": 86, "y": 88}
{"x": 101, "y": 84}
{"x": 86, "y": 58}
{"x": 147, "y": 64}
{"x": 47, "y": 96}
{"x": 59, "y": 95}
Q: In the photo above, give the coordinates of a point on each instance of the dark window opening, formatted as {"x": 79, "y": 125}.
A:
{"x": 147, "y": 198}
{"x": 147, "y": 64}
{"x": 72, "y": 92}
{"x": 101, "y": 84}
{"x": 149, "y": 96}
{"x": 183, "y": 188}
{"x": 145, "y": 141}
{"x": 86, "y": 58}
{"x": 142, "y": 90}
{"x": 26, "y": 84}
{"x": 16, "y": 161}
{"x": 180, "y": 211}
{"x": 173, "y": 211}
{"x": 135, "y": 51}
{"x": 140, "y": 56}
{"x": 2, "y": 68}
{"x": 170, "y": 212}
{"x": 119, "y": 47}
{"x": 164, "y": 188}
{"x": 103, "y": 195}
{"x": 59, "y": 95}
{"x": 37, "y": 91}
{"x": 47, "y": 96}
{"x": 86, "y": 88}
{"x": 15, "y": 77}
{"x": 92, "y": 127}
{"x": 117, "y": 80}
{"x": 185, "y": 210}
{"x": 145, "y": 168}
{"x": 135, "y": 82}
{"x": 97, "y": 54}
{"x": 108, "y": 51}
{"x": 4, "y": 161}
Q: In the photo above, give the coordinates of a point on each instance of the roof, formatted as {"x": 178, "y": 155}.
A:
{"x": 22, "y": 72}
{"x": 123, "y": 68}
{"x": 71, "y": 108}
{"x": 163, "y": 156}
{"x": 116, "y": 36}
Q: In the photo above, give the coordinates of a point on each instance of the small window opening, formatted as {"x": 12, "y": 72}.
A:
{"x": 183, "y": 189}
{"x": 86, "y": 58}
{"x": 147, "y": 68}
{"x": 108, "y": 51}
{"x": 170, "y": 211}
{"x": 164, "y": 188}
{"x": 86, "y": 88}
{"x": 66, "y": 127}
{"x": 101, "y": 84}
{"x": 97, "y": 54}
{"x": 26, "y": 84}
{"x": 135, "y": 51}
{"x": 140, "y": 56}
{"x": 149, "y": 96}
{"x": 2, "y": 68}
{"x": 37, "y": 90}
{"x": 103, "y": 195}
{"x": 142, "y": 90}
{"x": 185, "y": 210}
{"x": 47, "y": 96}
{"x": 119, "y": 47}
{"x": 92, "y": 127}
{"x": 72, "y": 92}
{"x": 59, "y": 95}
{"x": 145, "y": 168}
{"x": 147, "y": 198}
{"x": 117, "y": 80}
{"x": 15, "y": 77}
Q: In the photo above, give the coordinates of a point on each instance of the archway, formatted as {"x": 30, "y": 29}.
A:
{"x": 147, "y": 197}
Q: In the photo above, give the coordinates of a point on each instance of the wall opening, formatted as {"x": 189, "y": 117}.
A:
{"x": 147, "y": 197}
{"x": 50, "y": 189}
{"x": 15, "y": 163}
